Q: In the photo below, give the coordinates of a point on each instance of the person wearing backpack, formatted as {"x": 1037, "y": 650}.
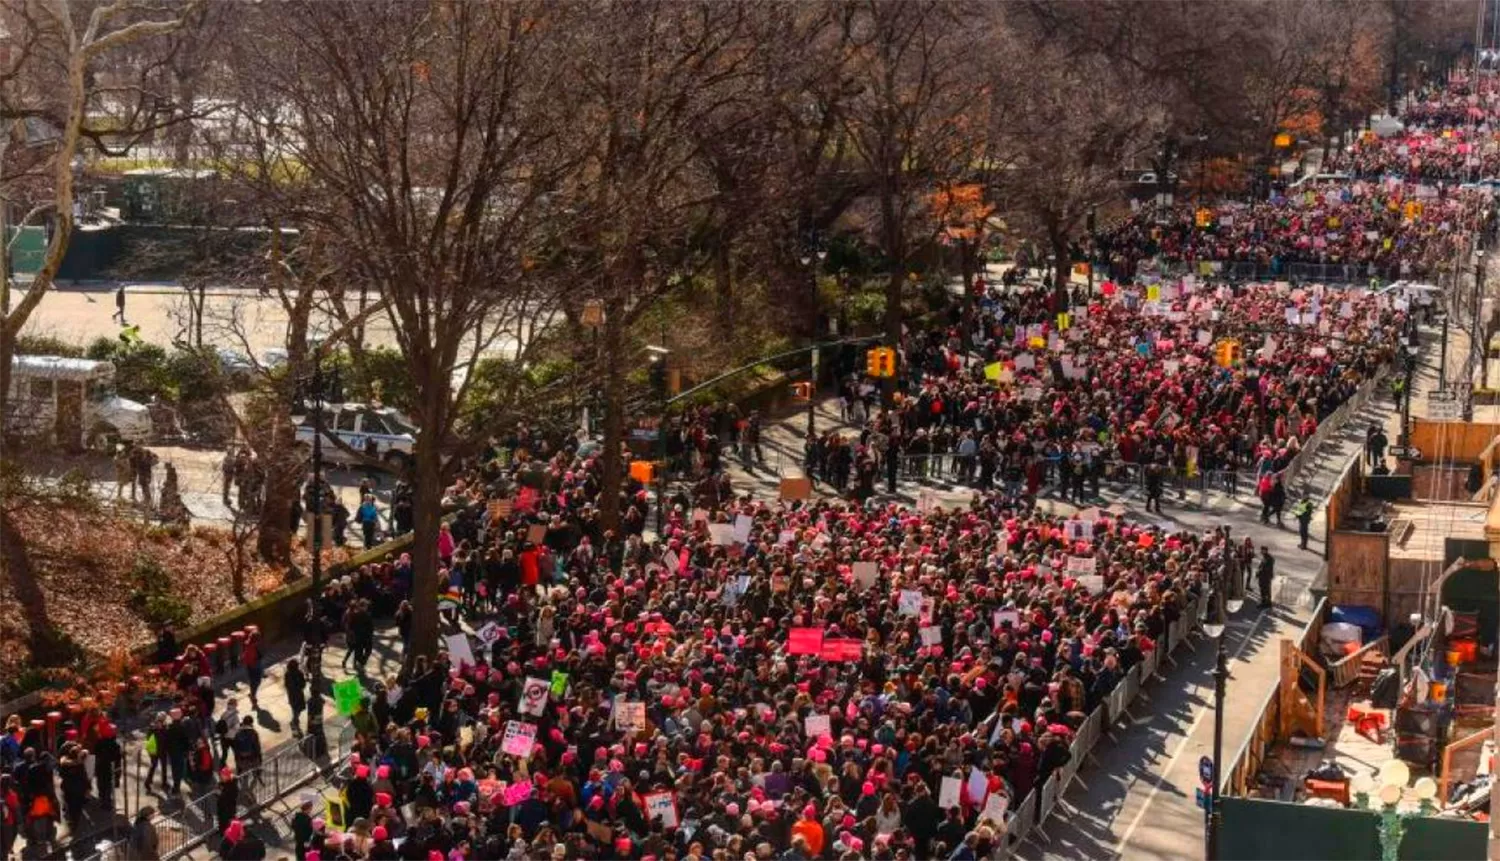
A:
{"x": 154, "y": 751}
{"x": 247, "y": 747}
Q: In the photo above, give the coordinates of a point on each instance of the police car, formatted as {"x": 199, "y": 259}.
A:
{"x": 380, "y": 432}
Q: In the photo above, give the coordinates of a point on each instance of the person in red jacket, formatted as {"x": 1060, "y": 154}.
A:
{"x": 811, "y": 830}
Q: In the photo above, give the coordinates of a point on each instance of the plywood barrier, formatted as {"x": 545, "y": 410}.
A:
{"x": 1460, "y": 441}
{"x": 1358, "y": 568}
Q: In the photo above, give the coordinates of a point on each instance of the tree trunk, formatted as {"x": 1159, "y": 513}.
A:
{"x": 723, "y": 287}
{"x": 427, "y": 498}
{"x": 968, "y": 254}
{"x": 283, "y": 472}
{"x": 7, "y": 353}
{"x": 894, "y": 285}
{"x": 1064, "y": 268}
{"x": 614, "y": 414}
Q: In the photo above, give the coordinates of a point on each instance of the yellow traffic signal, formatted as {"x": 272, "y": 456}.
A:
{"x": 1227, "y": 353}
{"x": 880, "y": 362}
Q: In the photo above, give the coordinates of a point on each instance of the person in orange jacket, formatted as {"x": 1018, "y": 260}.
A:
{"x": 810, "y": 830}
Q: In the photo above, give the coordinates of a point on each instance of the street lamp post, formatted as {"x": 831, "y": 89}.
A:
{"x": 1222, "y": 608}
{"x": 659, "y": 383}
{"x": 1475, "y": 347}
{"x": 315, "y": 652}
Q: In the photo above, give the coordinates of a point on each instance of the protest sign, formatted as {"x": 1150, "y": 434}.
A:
{"x": 1094, "y": 583}
{"x": 346, "y": 696}
{"x": 518, "y": 739}
{"x": 796, "y": 488}
{"x": 909, "y": 603}
{"x": 932, "y": 635}
{"x": 979, "y": 785}
{"x": 534, "y": 697}
{"x": 948, "y": 793}
{"x": 840, "y": 649}
{"x": 804, "y": 641}
{"x": 630, "y": 716}
{"x": 489, "y": 633}
{"x": 865, "y": 574}
{"x": 721, "y": 533}
{"x": 742, "y": 525}
{"x": 816, "y": 726}
{"x": 1082, "y": 564}
{"x": 995, "y": 807}
{"x": 536, "y": 533}
{"x": 559, "y": 684}
{"x": 518, "y": 792}
{"x": 459, "y": 653}
{"x": 1006, "y": 617}
{"x": 662, "y": 805}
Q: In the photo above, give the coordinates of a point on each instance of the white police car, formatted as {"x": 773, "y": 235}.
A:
{"x": 380, "y": 431}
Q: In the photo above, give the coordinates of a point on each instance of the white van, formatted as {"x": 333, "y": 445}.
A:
{"x": 361, "y": 426}
{"x": 71, "y": 403}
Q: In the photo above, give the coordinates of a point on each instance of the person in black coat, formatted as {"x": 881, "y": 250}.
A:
{"x": 226, "y": 803}
{"x": 107, "y": 759}
{"x": 922, "y": 818}
{"x": 296, "y": 692}
{"x": 360, "y": 795}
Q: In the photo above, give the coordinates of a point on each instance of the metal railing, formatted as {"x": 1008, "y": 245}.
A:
{"x": 1323, "y": 273}
{"x": 184, "y": 826}
{"x": 1027, "y": 819}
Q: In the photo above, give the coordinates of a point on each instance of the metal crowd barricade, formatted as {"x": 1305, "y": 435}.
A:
{"x": 1020, "y": 822}
{"x": 1048, "y": 801}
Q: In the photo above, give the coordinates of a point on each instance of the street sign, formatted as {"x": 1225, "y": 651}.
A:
{"x": 1443, "y": 411}
{"x": 1405, "y": 452}
{"x": 1442, "y": 395}
{"x": 1206, "y": 769}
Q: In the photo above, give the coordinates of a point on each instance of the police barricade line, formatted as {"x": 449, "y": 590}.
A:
{"x": 1047, "y": 801}
{"x": 1022, "y": 817}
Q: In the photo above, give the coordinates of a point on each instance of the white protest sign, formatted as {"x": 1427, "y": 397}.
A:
{"x": 948, "y": 793}
{"x": 979, "y": 785}
{"x": 995, "y": 807}
{"x": 909, "y": 603}
{"x": 932, "y": 635}
{"x": 489, "y": 633}
{"x": 534, "y": 696}
{"x": 1025, "y": 362}
{"x": 1171, "y": 367}
{"x": 865, "y": 574}
{"x": 1082, "y": 564}
{"x": 664, "y": 805}
{"x": 786, "y": 536}
{"x": 742, "y": 526}
{"x": 1094, "y": 583}
{"x": 721, "y": 533}
{"x": 817, "y": 726}
{"x": 1006, "y": 617}
{"x": 459, "y": 652}
{"x": 630, "y": 716}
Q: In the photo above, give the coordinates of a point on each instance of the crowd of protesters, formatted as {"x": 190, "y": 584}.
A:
{"x": 815, "y": 678}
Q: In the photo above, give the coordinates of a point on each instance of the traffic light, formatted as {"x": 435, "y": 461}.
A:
{"x": 802, "y": 391}
{"x": 1228, "y": 353}
{"x": 880, "y": 362}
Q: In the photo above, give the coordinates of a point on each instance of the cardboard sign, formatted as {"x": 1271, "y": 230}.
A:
{"x": 536, "y": 533}
{"x": 630, "y": 716}
{"x": 663, "y": 805}
{"x": 909, "y": 603}
{"x": 519, "y": 738}
{"x": 722, "y": 534}
{"x": 796, "y": 488}
{"x": 865, "y": 574}
{"x": 932, "y": 635}
{"x": 742, "y": 526}
{"x": 816, "y": 726}
{"x": 948, "y": 793}
{"x": 534, "y": 697}
{"x": 804, "y": 641}
{"x": 489, "y": 633}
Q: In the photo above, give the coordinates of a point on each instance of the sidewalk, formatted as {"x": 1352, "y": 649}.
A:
{"x": 273, "y": 723}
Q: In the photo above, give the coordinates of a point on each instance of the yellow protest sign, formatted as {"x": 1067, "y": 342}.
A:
{"x": 1064, "y": 321}
{"x": 1153, "y": 292}
{"x": 992, "y": 371}
{"x": 1037, "y": 342}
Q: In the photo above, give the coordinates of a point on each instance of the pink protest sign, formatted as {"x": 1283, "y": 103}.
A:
{"x": 804, "y": 641}
{"x": 517, "y": 793}
{"x": 840, "y": 650}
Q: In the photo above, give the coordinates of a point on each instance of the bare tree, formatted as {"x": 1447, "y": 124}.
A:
{"x": 60, "y": 98}
{"x": 422, "y": 143}
{"x": 908, "y": 62}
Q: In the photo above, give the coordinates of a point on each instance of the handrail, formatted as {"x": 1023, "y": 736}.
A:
{"x": 1420, "y": 636}
{"x": 1346, "y": 669}
{"x": 1445, "y": 775}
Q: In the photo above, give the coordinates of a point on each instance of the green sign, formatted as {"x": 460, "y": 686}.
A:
{"x": 559, "y": 684}
{"x": 346, "y": 695}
